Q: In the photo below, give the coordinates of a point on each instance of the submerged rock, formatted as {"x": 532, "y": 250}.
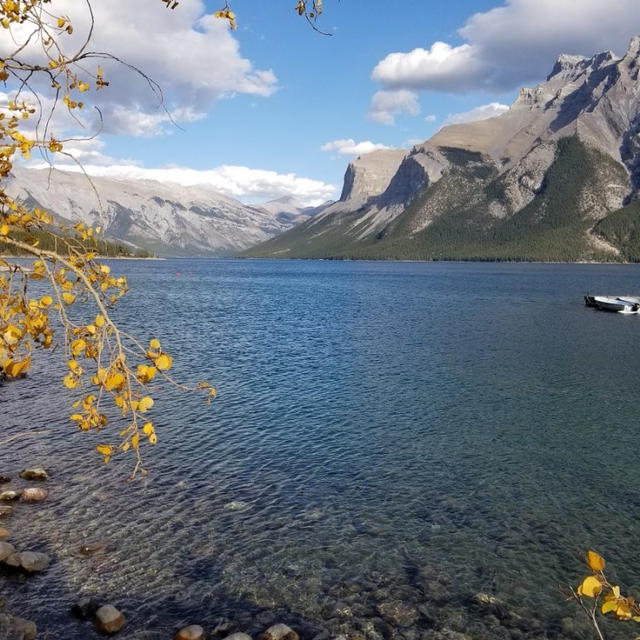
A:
{"x": 37, "y": 473}
{"x": 192, "y": 632}
{"x": 491, "y": 605}
{"x": 14, "y": 628}
{"x": 398, "y": 612}
{"x": 4, "y": 533}
{"x": 34, "y": 494}
{"x": 85, "y": 608}
{"x": 109, "y": 620}
{"x": 32, "y": 561}
{"x": 7, "y": 496}
{"x": 4, "y": 479}
{"x": 6, "y": 550}
{"x": 280, "y": 632}
{"x": 5, "y": 510}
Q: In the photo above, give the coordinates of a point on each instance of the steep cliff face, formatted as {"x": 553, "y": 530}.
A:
{"x": 369, "y": 175}
{"x": 489, "y": 176}
{"x": 167, "y": 218}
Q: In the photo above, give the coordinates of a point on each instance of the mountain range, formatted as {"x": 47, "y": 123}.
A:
{"x": 168, "y": 219}
{"x": 556, "y": 177}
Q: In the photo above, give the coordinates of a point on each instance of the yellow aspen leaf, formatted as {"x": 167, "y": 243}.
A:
{"x": 154, "y": 344}
{"x": 595, "y": 561}
{"x": 78, "y": 346}
{"x": 74, "y": 366}
{"x": 104, "y": 449}
{"x": 615, "y": 591}
{"x": 145, "y": 404}
{"x": 104, "y": 268}
{"x": 611, "y": 605}
{"x": 99, "y": 321}
{"x": 70, "y": 381}
{"x": 61, "y": 22}
{"x": 636, "y": 618}
{"x": 135, "y": 440}
{"x": 83, "y": 86}
{"x": 163, "y": 362}
{"x": 19, "y": 367}
{"x": 623, "y": 612}
{"x": 146, "y": 373}
{"x": 45, "y": 301}
{"x": 153, "y": 439}
{"x": 69, "y": 298}
{"x": 590, "y": 587}
{"x": 125, "y": 446}
{"x": 147, "y": 429}
{"x": 4, "y": 230}
{"x": 114, "y": 382}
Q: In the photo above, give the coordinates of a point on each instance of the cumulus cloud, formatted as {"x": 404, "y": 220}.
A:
{"x": 440, "y": 67}
{"x": 244, "y": 183}
{"x": 193, "y": 57}
{"x": 513, "y": 44}
{"x": 482, "y": 112}
{"x": 431, "y": 117}
{"x": 350, "y": 147}
{"x": 386, "y": 105}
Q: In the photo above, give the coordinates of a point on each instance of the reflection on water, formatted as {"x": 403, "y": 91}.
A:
{"x": 389, "y": 440}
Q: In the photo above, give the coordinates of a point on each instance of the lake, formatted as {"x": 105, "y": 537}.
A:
{"x": 389, "y": 440}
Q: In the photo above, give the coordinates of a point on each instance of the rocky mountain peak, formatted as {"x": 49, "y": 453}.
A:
{"x": 565, "y": 63}
{"x": 633, "y": 52}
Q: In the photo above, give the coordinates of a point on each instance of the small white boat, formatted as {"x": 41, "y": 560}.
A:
{"x": 622, "y": 305}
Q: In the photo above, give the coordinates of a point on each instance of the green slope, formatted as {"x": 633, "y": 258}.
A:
{"x": 553, "y": 226}
{"x": 622, "y": 229}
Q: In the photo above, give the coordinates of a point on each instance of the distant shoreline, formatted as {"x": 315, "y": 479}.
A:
{"x": 99, "y": 257}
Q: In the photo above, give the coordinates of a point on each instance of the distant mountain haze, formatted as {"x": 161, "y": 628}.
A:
{"x": 555, "y": 177}
{"x": 169, "y": 219}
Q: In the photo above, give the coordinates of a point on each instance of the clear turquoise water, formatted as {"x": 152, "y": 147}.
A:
{"x": 398, "y": 431}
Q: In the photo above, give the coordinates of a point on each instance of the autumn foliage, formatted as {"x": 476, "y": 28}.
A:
{"x": 105, "y": 366}
{"x": 596, "y": 595}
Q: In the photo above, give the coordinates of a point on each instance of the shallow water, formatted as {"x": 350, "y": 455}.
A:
{"x": 384, "y": 432}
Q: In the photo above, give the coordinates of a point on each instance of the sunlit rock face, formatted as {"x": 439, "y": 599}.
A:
{"x": 479, "y": 177}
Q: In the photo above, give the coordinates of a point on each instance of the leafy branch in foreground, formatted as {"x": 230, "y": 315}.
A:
{"x": 602, "y": 596}
{"x": 110, "y": 370}
{"x": 309, "y": 9}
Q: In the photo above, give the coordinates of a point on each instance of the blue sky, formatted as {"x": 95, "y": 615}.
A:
{"x": 256, "y": 106}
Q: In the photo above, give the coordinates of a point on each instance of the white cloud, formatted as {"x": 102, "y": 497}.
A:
{"x": 193, "y": 56}
{"x": 440, "y": 67}
{"x": 412, "y": 142}
{"x": 482, "y": 112}
{"x": 350, "y": 147}
{"x": 243, "y": 183}
{"x": 431, "y": 117}
{"x": 514, "y": 44}
{"x": 386, "y": 105}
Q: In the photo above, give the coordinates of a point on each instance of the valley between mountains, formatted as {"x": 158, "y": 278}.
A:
{"x": 556, "y": 177}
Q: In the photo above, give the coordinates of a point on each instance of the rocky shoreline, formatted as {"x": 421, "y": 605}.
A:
{"x": 433, "y": 611}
